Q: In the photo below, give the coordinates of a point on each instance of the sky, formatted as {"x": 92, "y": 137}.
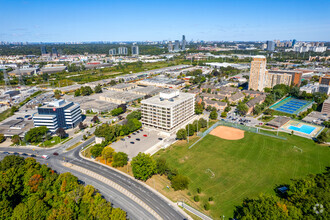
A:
{"x": 141, "y": 20}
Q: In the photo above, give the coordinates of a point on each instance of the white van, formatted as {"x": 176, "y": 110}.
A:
{"x": 45, "y": 157}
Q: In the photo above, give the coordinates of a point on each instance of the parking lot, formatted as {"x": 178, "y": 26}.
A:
{"x": 137, "y": 142}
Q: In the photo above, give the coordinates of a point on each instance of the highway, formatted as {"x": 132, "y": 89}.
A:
{"x": 134, "y": 211}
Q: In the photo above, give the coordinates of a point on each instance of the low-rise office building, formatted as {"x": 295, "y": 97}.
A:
{"x": 168, "y": 110}
{"x": 58, "y": 114}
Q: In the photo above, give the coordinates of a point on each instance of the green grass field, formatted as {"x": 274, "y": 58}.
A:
{"x": 244, "y": 168}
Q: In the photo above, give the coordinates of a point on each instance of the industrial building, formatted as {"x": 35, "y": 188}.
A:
{"x": 58, "y": 114}
{"x": 147, "y": 90}
{"x": 119, "y": 97}
{"x": 122, "y": 87}
{"x": 162, "y": 81}
{"x": 168, "y": 110}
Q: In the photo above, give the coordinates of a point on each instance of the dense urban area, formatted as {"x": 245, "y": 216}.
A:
{"x": 165, "y": 130}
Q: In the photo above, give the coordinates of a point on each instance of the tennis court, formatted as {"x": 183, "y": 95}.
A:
{"x": 291, "y": 105}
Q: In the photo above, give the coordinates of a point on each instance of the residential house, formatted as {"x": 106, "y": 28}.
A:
{"x": 253, "y": 102}
{"x": 236, "y": 97}
{"x": 220, "y": 106}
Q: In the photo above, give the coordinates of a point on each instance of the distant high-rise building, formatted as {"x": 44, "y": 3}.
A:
{"x": 135, "y": 50}
{"x": 54, "y": 52}
{"x": 112, "y": 51}
{"x": 170, "y": 46}
{"x": 258, "y": 73}
{"x": 270, "y": 45}
{"x": 122, "y": 51}
{"x": 293, "y": 42}
{"x": 43, "y": 50}
{"x": 183, "y": 42}
{"x": 177, "y": 45}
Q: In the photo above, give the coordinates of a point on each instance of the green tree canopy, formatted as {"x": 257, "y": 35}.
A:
{"x": 143, "y": 166}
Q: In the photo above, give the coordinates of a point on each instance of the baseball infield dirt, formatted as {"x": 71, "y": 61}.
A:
{"x": 228, "y": 133}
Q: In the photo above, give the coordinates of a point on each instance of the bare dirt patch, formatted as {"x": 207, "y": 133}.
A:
{"x": 228, "y": 133}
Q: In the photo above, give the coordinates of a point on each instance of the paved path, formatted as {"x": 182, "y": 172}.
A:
{"x": 194, "y": 211}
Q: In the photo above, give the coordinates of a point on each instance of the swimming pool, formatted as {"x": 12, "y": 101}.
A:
{"x": 306, "y": 129}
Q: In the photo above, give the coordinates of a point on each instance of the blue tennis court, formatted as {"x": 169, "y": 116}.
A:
{"x": 291, "y": 105}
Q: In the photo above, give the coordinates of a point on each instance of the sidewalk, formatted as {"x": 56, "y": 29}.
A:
{"x": 194, "y": 211}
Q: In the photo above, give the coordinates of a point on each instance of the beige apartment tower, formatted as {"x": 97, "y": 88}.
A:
{"x": 258, "y": 76}
{"x": 168, "y": 110}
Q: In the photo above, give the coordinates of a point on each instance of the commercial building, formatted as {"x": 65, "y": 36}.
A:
{"x": 122, "y": 51}
{"x": 177, "y": 45}
{"x": 58, "y": 114}
{"x": 119, "y": 97}
{"x": 270, "y": 45}
{"x": 184, "y": 42}
{"x": 122, "y": 87}
{"x": 135, "y": 50}
{"x": 170, "y": 46}
{"x": 258, "y": 73}
{"x": 168, "y": 110}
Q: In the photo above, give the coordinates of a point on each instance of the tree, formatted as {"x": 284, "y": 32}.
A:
{"x": 213, "y": 115}
{"x": 2, "y": 138}
{"x": 82, "y": 126}
{"x": 117, "y": 111}
{"x": 57, "y": 94}
{"x": 134, "y": 114}
{"x": 98, "y": 89}
{"x": 120, "y": 159}
{"x": 224, "y": 114}
{"x": 181, "y": 134}
{"x": 15, "y": 139}
{"x": 96, "y": 150}
{"x": 95, "y": 119}
{"x": 190, "y": 129}
{"x": 242, "y": 108}
{"x": 108, "y": 153}
{"x": 61, "y": 133}
{"x": 162, "y": 167}
{"x": 35, "y": 135}
{"x": 322, "y": 137}
{"x": 196, "y": 198}
{"x": 113, "y": 82}
{"x": 202, "y": 123}
{"x": 179, "y": 182}
{"x": 77, "y": 93}
{"x": 198, "y": 108}
{"x": 13, "y": 109}
{"x": 143, "y": 166}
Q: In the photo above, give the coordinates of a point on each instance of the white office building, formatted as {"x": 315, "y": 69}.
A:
{"x": 168, "y": 110}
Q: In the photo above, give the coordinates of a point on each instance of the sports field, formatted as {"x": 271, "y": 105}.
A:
{"x": 291, "y": 105}
{"x": 230, "y": 170}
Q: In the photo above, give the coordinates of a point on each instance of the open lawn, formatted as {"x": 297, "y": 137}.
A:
{"x": 230, "y": 170}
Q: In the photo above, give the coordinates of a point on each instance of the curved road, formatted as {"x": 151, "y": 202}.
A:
{"x": 163, "y": 208}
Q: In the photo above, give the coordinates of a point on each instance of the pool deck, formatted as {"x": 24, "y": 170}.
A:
{"x": 297, "y": 123}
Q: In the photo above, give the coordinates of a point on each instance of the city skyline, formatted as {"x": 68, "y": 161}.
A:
{"x": 38, "y": 21}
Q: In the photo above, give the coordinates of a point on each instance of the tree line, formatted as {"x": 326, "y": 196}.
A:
{"x": 304, "y": 198}
{"x": 30, "y": 190}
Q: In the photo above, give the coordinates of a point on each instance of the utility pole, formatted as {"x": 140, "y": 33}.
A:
{"x": 188, "y": 134}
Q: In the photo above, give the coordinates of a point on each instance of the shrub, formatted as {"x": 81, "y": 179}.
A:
{"x": 207, "y": 206}
{"x": 199, "y": 190}
{"x": 196, "y": 198}
{"x": 211, "y": 198}
{"x": 179, "y": 182}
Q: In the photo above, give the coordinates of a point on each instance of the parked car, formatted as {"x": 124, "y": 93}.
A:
{"x": 132, "y": 142}
{"x": 6, "y": 153}
{"x": 160, "y": 139}
{"x": 134, "y": 133}
{"x": 20, "y": 118}
{"x": 32, "y": 155}
{"x": 24, "y": 154}
{"x": 137, "y": 132}
{"x": 145, "y": 135}
{"x": 141, "y": 129}
{"x": 55, "y": 153}
{"x": 15, "y": 153}
{"x": 138, "y": 139}
{"x": 123, "y": 139}
{"x": 129, "y": 136}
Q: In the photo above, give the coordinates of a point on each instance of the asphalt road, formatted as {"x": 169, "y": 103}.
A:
{"x": 134, "y": 210}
